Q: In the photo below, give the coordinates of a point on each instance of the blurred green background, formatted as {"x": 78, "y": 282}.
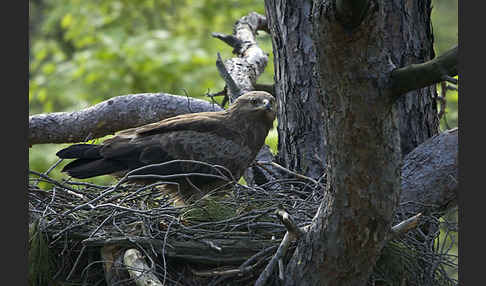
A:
{"x": 86, "y": 51}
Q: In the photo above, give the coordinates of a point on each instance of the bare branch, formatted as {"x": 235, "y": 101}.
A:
{"x": 293, "y": 233}
{"x": 450, "y": 79}
{"x": 251, "y": 60}
{"x": 231, "y": 40}
{"x": 109, "y": 116}
{"x": 405, "y": 225}
{"x": 139, "y": 270}
{"x": 233, "y": 88}
{"x": 289, "y": 223}
{"x": 417, "y": 76}
{"x": 281, "y": 251}
{"x": 351, "y": 12}
{"x": 300, "y": 176}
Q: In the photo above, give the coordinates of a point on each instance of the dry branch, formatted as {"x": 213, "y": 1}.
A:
{"x": 287, "y": 220}
{"x": 109, "y": 116}
{"x": 281, "y": 251}
{"x": 293, "y": 233}
{"x": 139, "y": 270}
{"x": 251, "y": 60}
{"x": 405, "y": 225}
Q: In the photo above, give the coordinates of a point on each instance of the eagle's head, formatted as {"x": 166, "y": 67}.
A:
{"x": 257, "y": 104}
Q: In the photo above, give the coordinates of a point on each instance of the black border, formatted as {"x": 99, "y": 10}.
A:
{"x": 14, "y": 124}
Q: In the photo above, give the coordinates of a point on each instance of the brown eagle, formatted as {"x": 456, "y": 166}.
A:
{"x": 230, "y": 138}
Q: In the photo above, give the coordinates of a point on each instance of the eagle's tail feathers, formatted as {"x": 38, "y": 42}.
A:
{"x": 87, "y": 168}
{"x": 84, "y": 151}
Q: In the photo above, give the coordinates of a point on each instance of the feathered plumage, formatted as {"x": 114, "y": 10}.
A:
{"x": 231, "y": 138}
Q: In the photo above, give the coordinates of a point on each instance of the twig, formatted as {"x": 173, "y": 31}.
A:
{"x": 281, "y": 270}
{"x": 230, "y": 40}
{"x": 289, "y": 224}
{"x": 405, "y": 225}
{"x": 450, "y": 79}
{"x": 260, "y": 163}
{"x": 230, "y": 83}
{"x": 281, "y": 251}
{"x": 76, "y": 262}
{"x": 258, "y": 255}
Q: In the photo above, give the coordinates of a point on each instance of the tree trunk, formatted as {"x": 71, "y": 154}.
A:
{"x": 301, "y": 138}
{"x": 412, "y": 42}
{"x": 335, "y": 97}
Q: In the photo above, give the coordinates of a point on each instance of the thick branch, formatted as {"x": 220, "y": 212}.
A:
{"x": 351, "y": 12}
{"x": 233, "y": 252}
{"x": 251, "y": 60}
{"x": 416, "y": 76}
{"x": 430, "y": 176}
{"x": 107, "y": 117}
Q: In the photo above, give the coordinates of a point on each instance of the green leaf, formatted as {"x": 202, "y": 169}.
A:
{"x": 67, "y": 21}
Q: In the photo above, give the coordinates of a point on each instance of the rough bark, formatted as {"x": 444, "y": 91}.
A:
{"x": 109, "y": 116}
{"x": 231, "y": 252}
{"x": 351, "y": 12}
{"x": 251, "y": 61}
{"x": 302, "y": 140}
{"x": 363, "y": 130}
{"x": 411, "y": 41}
{"x": 430, "y": 179}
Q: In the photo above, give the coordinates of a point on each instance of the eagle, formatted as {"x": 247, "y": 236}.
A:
{"x": 224, "y": 141}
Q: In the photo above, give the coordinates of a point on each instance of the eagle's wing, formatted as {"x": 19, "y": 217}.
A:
{"x": 200, "y": 137}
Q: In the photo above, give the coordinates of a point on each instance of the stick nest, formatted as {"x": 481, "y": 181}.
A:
{"x": 226, "y": 237}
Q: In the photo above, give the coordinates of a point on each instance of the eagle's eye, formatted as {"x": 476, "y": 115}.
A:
{"x": 254, "y": 101}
